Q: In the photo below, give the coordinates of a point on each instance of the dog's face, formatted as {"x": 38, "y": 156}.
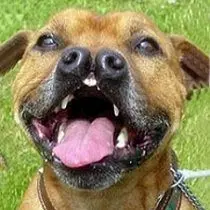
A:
{"x": 99, "y": 95}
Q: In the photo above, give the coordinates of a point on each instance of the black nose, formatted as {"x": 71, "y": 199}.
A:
{"x": 110, "y": 65}
{"x": 75, "y": 61}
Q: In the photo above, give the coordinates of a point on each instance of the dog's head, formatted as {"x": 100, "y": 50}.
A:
{"x": 99, "y": 95}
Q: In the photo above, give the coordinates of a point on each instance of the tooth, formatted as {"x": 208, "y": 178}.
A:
{"x": 66, "y": 100}
{"x": 60, "y": 136}
{"x": 90, "y": 80}
{"x": 116, "y": 111}
{"x": 98, "y": 88}
{"x": 61, "y": 133}
{"x": 122, "y": 138}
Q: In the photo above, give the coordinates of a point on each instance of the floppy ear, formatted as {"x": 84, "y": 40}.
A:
{"x": 12, "y": 50}
{"x": 194, "y": 63}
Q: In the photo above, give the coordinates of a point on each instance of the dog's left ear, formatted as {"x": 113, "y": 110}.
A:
{"x": 12, "y": 50}
{"x": 193, "y": 62}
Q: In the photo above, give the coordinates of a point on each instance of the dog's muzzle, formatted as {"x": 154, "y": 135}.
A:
{"x": 89, "y": 122}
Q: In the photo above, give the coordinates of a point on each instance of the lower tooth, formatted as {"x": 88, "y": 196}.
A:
{"x": 60, "y": 136}
{"x": 61, "y": 133}
{"x": 122, "y": 138}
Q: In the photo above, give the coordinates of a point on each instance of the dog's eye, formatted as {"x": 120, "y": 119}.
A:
{"x": 47, "y": 42}
{"x": 147, "y": 46}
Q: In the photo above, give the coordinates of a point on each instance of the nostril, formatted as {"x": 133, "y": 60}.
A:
{"x": 110, "y": 65}
{"x": 75, "y": 61}
{"x": 115, "y": 63}
{"x": 70, "y": 58}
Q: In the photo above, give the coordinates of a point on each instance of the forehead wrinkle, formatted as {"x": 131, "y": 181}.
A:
{"x": 78, "y": 20}
{"x": 91, "y": 27}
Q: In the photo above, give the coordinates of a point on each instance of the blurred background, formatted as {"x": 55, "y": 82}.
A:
{"x": 191, "y": 18}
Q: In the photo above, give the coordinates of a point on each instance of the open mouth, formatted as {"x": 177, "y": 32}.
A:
{"x": 87, "y": 129}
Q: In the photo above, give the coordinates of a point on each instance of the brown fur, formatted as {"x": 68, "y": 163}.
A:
{"x": 162, "y": 80}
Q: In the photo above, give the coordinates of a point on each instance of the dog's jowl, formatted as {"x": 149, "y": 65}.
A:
{"x": 100, "y": 97}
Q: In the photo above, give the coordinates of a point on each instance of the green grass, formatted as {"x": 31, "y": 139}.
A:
{"x": 192, "y": 142}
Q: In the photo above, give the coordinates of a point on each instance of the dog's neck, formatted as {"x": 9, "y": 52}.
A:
{"x": 134, "y": 192}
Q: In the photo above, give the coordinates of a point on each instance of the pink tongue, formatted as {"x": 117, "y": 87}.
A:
{"x": 85, "y": 142}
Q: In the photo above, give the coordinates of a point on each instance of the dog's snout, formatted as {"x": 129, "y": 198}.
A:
{"x": 110, "y": 64}
{"x": 78, "y": 61}
{"x": 75, "y": 61}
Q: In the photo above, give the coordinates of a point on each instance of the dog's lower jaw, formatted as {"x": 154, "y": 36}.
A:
{"x": 138, "y": 190}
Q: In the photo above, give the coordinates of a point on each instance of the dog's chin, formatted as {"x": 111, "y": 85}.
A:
{"x": 97, "y": 176}
{"x": 89, "y": 142}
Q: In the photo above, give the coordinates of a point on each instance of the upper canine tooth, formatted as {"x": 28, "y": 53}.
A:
{"x": 122, "y": 138}
{"x": 90, "y": 80}
{"x": 65, "y": 101}
{"x": 116, "y": 111}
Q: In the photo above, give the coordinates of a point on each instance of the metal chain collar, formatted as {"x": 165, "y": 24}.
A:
{"x": 179, "y": 182}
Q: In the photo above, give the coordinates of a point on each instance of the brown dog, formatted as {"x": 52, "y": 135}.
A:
{"x": 101, "y": 97}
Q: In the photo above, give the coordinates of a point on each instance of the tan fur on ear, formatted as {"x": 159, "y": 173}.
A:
{"x": 194, "y": 63}
{"x": 12, "y": 50}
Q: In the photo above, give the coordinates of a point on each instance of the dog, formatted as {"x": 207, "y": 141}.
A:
{"x": 101, "y": 98}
